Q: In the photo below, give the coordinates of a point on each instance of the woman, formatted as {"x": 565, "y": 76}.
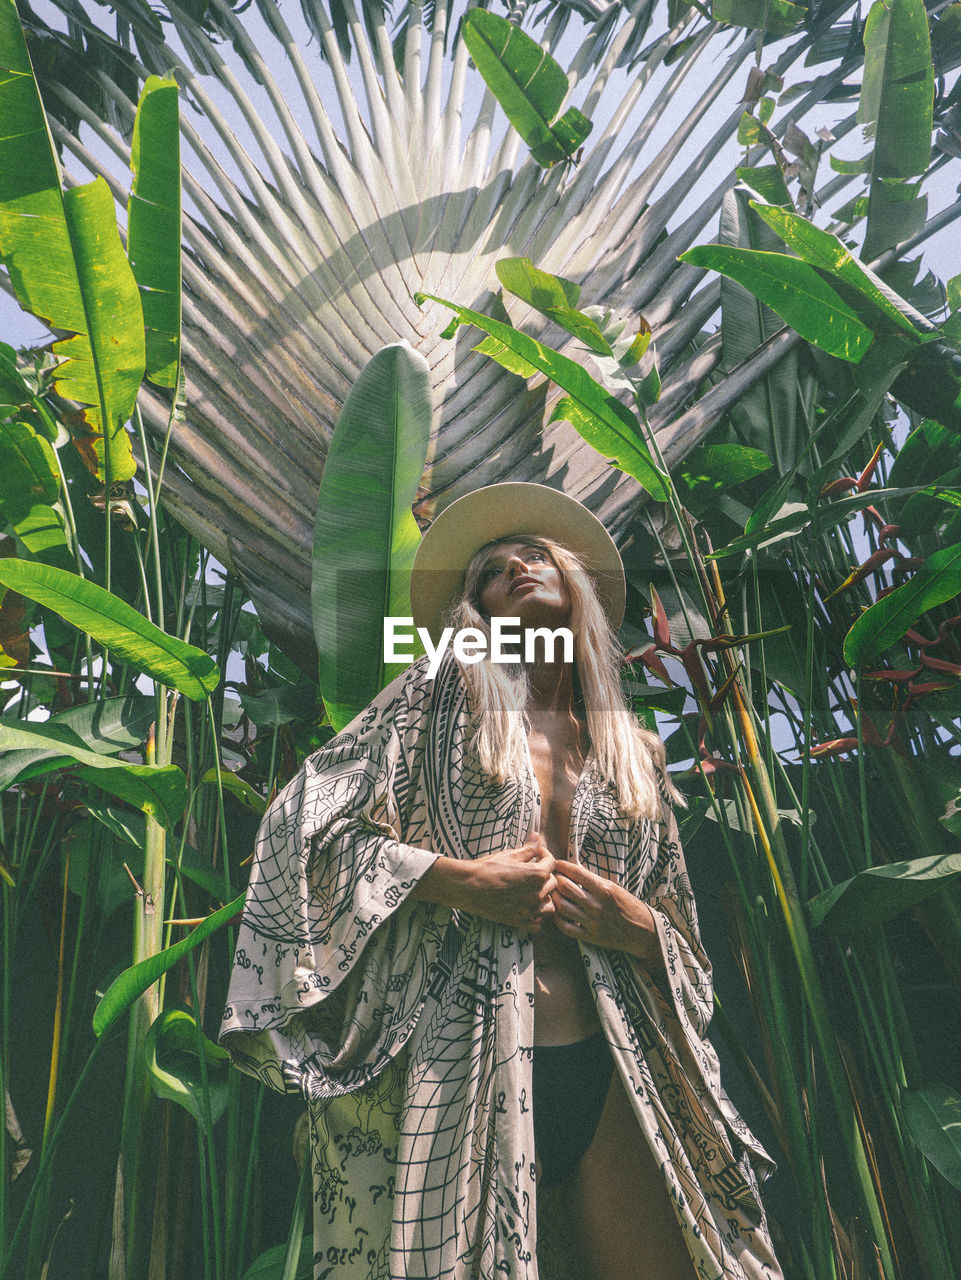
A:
{"x": 470, "y": 943}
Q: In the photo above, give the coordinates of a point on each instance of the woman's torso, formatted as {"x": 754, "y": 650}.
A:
{"x": 564, "y": 1009}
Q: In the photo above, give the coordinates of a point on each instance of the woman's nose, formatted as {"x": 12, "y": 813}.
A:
{"x": 515, "y": 565}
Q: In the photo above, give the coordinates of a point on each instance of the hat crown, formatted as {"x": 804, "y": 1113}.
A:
{"x": 502, "y": 511}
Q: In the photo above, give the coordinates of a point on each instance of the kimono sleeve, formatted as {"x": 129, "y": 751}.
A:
{"x": 332, "y": 955}
{"x": 667, "y": 891}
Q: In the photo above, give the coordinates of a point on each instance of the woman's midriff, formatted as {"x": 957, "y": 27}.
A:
{"x": 564, "y": 1010}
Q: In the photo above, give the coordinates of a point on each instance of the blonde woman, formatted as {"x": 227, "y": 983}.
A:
{"x": 470, "y": 943}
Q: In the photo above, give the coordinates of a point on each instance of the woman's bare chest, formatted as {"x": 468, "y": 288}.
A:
{"x": 557, "y": 759}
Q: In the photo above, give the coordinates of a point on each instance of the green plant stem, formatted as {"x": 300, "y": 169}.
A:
{"x": 296, "y": 1234}
{"x": 807, "y": 727}
{"x": 147, "y": 941}
{"x": 8, "y": 915}
{"x": 237, "y": 1228}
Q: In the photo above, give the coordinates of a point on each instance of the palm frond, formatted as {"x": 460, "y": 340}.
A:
{"x": 322, "y": 194}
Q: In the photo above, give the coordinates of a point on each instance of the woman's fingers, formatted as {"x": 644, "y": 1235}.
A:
{"x": 579, "y": 875}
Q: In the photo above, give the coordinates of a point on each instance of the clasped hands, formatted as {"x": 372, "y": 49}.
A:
{"x": 527, "y": 887}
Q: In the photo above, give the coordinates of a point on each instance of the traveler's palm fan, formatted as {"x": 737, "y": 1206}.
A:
{"x": 367, "y": 180}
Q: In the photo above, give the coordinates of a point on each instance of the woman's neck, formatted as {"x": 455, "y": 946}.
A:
{"x": 551, "y": 687}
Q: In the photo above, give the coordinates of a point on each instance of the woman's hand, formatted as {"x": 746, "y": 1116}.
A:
{"x": 592, "y": 909}
{"x": 512, "y": 886}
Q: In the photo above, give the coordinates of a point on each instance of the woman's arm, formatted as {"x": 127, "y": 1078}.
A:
{"x": 513, "y": 886}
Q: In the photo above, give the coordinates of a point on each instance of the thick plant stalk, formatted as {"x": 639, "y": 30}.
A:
{"x": 147, "y": 941}
{"x": 768, "y": 826}
{"x": 58, "y": 1007}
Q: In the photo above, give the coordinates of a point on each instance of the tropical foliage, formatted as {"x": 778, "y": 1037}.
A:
{"x": 794, "y": 570}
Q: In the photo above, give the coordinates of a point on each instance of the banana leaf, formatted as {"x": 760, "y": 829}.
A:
{"x": 153, "y": 225}
{"x": 528, "y": 84}
{"x": 67, "y": 265}
{"x": 365, "y": 534}
{"x": 113, "y": 623}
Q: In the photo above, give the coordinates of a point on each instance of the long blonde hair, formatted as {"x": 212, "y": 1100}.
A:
{"x": 626, "y": 752}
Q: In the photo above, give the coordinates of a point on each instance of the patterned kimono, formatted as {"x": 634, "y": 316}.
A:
{"x": 408, "y": 1027}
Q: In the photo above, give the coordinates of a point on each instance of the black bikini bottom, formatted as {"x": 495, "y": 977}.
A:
{"x": 570, "y": 1088}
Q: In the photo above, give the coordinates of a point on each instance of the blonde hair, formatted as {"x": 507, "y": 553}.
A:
{"x": 627, "y": 754}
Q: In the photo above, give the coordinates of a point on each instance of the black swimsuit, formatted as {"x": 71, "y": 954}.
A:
{"x": 570, "y": 1087}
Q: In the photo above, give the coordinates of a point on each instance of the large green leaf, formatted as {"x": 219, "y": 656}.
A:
{"x": 885, "y": 621}
{"x": 875, "y": 895}
{"x": 825, "y": 250}
{"x": 108, "y": 727}
{"x": 29, "y": 476}
{"x": 931, "y": 384}
{"x": 13, "y": 389}
{"x": 791, "y": 518}
{"x": 897, "y": 109}
{"x": 160, "y": 792}
{"x": 172, "y": 1052}
{"x": 896, "y": 212}
{"x": 104, "y": 362}
{"x": 114, "y": 624}
{"x": 365, "y": 534}
{"x": 554, "y": 297}
{"x": 933, "y": 1118}
{"x": 270, "y": 1264}
{"x": 28, "y": 471}
{"x": 67, "y": 265}
{"x": 133, "y": 982}
{"x": 776, "y": 17}
{"x": 897, "y": 88}
{"x": 711, "y": 469}
{"x": 601, "y": 420}
{"x": 795, "y": 291}
{"x": 282, "y": 704}
{"x": 528, "y": 84}
{"x": 153, "y": 225}
{"x": 765, "y": 416}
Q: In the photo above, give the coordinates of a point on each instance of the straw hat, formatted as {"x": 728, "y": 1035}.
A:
{"x": 501, "y": 511}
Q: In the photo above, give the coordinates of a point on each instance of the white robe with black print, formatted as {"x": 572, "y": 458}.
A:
{"x": 408, "y": 1027}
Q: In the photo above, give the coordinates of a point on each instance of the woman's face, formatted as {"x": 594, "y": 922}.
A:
{"x": 521, "y": 580}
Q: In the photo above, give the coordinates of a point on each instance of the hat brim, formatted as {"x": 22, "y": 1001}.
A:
{"x": 499, "y": 511}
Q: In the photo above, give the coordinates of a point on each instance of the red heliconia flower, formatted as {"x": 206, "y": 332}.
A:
{"x": 649, "y": 658}
{"x": 662, "y": 628}
{"x": 949, "y": 624}
{"x": 719, "y": 698}
{"x": 907, "y": 564}
{"x": 917, "y": 639}
{"x": 867, "y": 475}
{"x": 834, "y": 747}
{"x": 918, "y": 691}
{"x": 695, "y": 672}
{"x": 939, "y": 664}
{"x": 838, "y": 486}
{"x": 871, "y": 565}
{"x": 896, "y": 677}
{"x": 713, "y": 764}
{"x": 870, "y": 734}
